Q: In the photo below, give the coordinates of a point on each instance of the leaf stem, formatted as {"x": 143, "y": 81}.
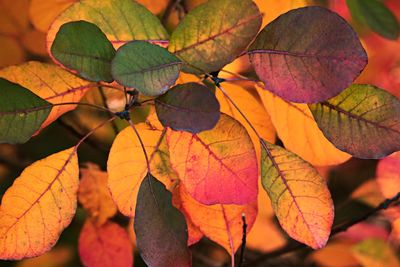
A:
{"x": 141, "y": 144}
{"x": 92, "y": 131}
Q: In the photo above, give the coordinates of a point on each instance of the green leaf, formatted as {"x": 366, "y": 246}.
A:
{"x": 149, "y": 68}
{"x": 188, "y": 107}
{"x": 363, "y": 120}
{"x": 21, "y": 112}
{"x": 82, "y": 47}
{"x": 307, "y": 55}
{"x": 161, "y": 230}
{"x": 376, "y": 16}
{"x": 215, "y": 33}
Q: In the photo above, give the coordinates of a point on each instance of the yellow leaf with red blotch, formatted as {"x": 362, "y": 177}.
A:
{"x": 50, "y": 83}
{"x": 337, "y": 254}
{"x": 94, "y": 194}
{"x": 217, "y": 166}
{"x": 107, "y": 245}
{"x": 221, "y": 223}
{"x": 250, "y": 104}
{"x": 43, "y": 13}
{"x": 127, "y": 164}
{"x": 14, "y": 18}
{"x": 375, "y": 253}
{"x": 299, "y": 132}
{"x": 299, "y": 195}
{"x": 38, "y": 206}
{"x": 11, "y": 51}
{"x": 388, "y": 175}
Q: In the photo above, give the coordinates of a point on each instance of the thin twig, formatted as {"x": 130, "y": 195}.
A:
{"x": 243, "y": 248}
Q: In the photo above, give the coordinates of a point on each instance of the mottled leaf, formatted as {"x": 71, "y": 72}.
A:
{"x": 38, "y": 206}
{"x": 188, "y": 107}
{"x": 376, "y": 16}
{"x": 107, "y": 245}
{"x": 375, "y": 253}
{"x": 49, "y": 82}
{"x": 218, "y": 166}
{"x": 363, "y": 121}
{"x": 161, "y": 231}
{"x": 146, "y": 67}
{"x": 21, "y": 112}
{"x": 82, "y": 47}
{"x": 215, "y": 33}
{"x": 388, "y": 175}
{"x": 307, "y": 55}
{"x": 299, "y": 196}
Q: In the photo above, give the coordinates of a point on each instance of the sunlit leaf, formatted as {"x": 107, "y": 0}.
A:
{"x": 299, "y": 132}
{"x": 188, "y": 107}
{"x": 146, "y": 67}
{"x": 161, "y": 230}
{"x": 218, "y": 166}
{"x": 215, "y": 33}
{"x": 299, "y": 196}
{"x": 363, "y": 121}
{"x": 95, "y": 196}
{"x": 375, "y": 253}
{"x": 388, "y": 175}
{"x": 49, "y": 82}
{"x": 221, "y": 223}
{"x": 307, "y": 55}
{"x": 21, "y": 112}
{"x": 38, "y": 206}
{"x": 107, "y": 245}
{"x": 376, "y": 15}
{"x": 82, "y": 47}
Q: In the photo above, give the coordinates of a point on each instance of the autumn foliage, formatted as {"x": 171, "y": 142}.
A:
{"x": 253, "y": 125}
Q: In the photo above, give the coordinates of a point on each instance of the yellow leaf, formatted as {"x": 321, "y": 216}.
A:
{"x": 50, "y": 83}
{"x": 299, "y": 132}
{"x": 38, "y": 206}
{"x": 94, "y": 194}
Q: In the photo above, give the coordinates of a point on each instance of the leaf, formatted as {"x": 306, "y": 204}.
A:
{"x": 21, "y": 112}
{"x": 121, "y": 21}
{"x": 11, "y": 52}
{"x": 299, "y": 132}
{"x": 95, "y": 196}
{"x": 329, "y": 255}
{"x": 388, "y": 175}
{"x": 82, "y": 47}
{"x": 299, "y": 196}
{"x": 49, "y": 82}
{"x": 363, "y": 121}
{"x": 146, "y": 67}
{"x": 375, "y": 15}
{"x": 190, "y": 107}
{"x": 127, "y": 165}
{"x": 107, "y": 245}
{"x": 221, "y": 223}
{"x": 38, "y": 206}
{"x": 14, "y": 18}
{"x": 218, "y": 166}
{"x": 307, "y": 64}
{"x": 215, "y": 33}
{"x": 160, "y": 228}
{"x": 375, "y": 253}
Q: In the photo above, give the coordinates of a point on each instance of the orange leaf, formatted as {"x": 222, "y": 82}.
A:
{"x": 94, "y": 194}
{"x": 218, "y": 166}
{"x": 14, "y": 17}
{"x": 35, "y": 42}
{"x": 335, "y": 255}
{"x": 220, "y": 223}
{"x": 11, "y": 51}
{"x": 59, "y": 256}
{"x": 388, "y": 175}
{"x": 38, "y": 206}
{"x": 299, "y": 132}
{"x": 50, "y": 83}
{"x": 107, "y": 245}
{"x": 368, "y": 193}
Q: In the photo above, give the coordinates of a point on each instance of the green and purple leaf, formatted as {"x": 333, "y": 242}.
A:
{"x": 307, "y": 55}
{"x": 190, "y": 107}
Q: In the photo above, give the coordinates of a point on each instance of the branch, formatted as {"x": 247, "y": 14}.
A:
{"x": 243, "y": 248}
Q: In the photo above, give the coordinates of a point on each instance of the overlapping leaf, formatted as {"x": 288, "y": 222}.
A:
{"x": 299, "y": 195}
{"x": 21, "y": 112}
{"x": 299, "y": 132}
{"x": 161, "y": 230}
{"x": 215, "y": 33}
{"x": 146, "y": 67}
{"x": 307, "y": 55}
{"x": 107, "y": 245}
{"x": 218, "y": 166}
{"x": 188, "y": 107}
{"x": 49, "y": 82}
{"x": 82, "y": 47}
{"x": 363, "y": 121}
{"x": 388, "y": 175}
{"x": 38, "y": 206}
